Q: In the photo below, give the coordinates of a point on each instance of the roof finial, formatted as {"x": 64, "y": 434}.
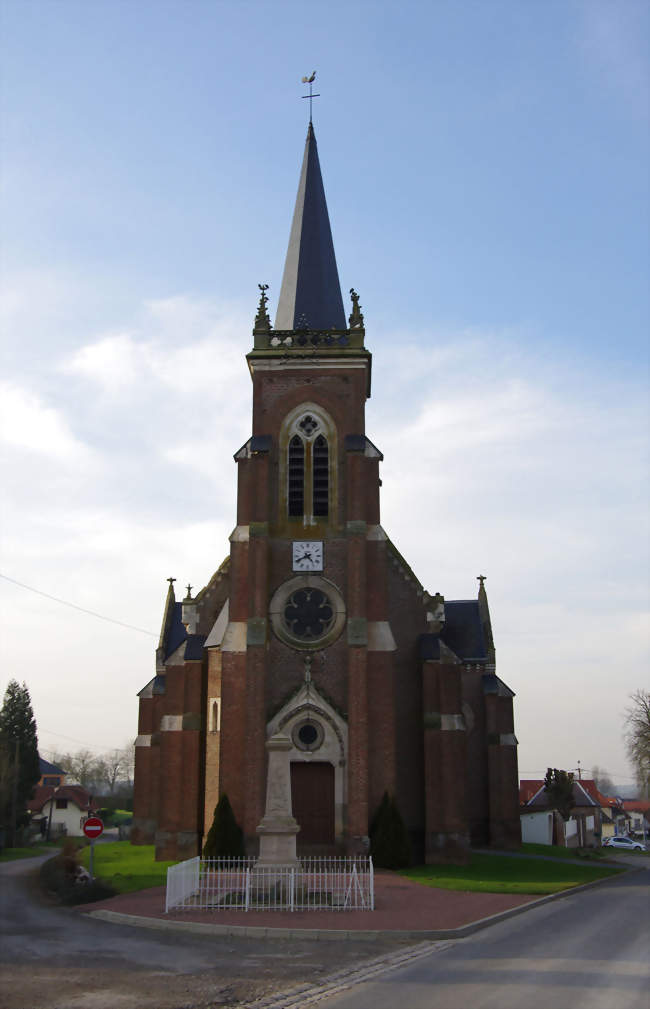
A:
{"x": 481, "y": 579}
{"x": 262, "y": 321}
{"x": 356, "y": 319}
{"x": 171, "y": 581}
{"x": 310, "y": 80}
{"x": 188, "y": 597}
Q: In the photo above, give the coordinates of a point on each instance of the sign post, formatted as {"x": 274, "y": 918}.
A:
{"x": 93, "y": 828}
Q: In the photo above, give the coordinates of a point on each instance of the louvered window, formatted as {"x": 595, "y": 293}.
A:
{"x": 296, "y": 496}
{"x": 308, "y": 473}
{"x": 320, "y": 470}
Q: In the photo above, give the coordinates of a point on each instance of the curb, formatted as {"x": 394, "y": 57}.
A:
{"x": 269, "y": 932}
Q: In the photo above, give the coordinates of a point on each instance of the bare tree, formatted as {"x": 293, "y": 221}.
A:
{"x": 602, "y": 780}
{"x": 82, "y": 766}
{"x": 112, "y": 764}
{"x": 128, "y": 762}
{"x": 637, "y": 737}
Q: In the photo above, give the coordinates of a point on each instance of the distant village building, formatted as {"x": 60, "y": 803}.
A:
{"x": 56, "y": 807}
{"x": 315, "y": 627}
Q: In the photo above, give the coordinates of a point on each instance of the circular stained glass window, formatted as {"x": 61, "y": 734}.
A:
{"x": 307, "y": 734}
{"x": 308, "y": 614}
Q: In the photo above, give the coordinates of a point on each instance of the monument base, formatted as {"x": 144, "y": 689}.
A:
{"x": 278, "y": 841}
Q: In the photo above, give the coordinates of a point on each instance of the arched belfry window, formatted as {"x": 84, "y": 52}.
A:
{"x": 296, "y": 490}
{"x": 320, "y": 467}
{"x": 309, "y": 439}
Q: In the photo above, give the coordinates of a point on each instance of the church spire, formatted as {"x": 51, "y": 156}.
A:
{"x": 310, "y": 297}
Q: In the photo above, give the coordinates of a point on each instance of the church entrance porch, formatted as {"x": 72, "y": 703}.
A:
{"x": 312, "y": 803}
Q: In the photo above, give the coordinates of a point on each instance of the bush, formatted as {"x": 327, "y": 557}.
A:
{"x": 389, "y": 841}
{"x": 64, "y": 876}
{"x": 225, "y": 837}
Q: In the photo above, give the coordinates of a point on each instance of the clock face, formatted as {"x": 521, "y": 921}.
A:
{"x": 308, "y": 556}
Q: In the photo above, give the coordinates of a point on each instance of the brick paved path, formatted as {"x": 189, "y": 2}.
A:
{"x": 400, "y": 905}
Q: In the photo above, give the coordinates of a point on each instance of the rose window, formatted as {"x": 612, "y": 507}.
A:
{"x": 308, "y": 613}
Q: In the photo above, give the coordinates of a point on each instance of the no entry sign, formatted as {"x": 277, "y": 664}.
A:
{"x": 93, "y": 827}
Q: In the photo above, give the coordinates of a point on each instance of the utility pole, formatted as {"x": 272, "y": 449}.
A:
{"x": 14, "y": 795}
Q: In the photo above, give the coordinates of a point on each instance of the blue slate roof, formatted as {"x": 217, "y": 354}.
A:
{"x": 462, "y": 631}
{"x": 310, "y": 296}
{"x": 194, "y": 646}
{"x": 176, "y": 633}
{"x": 46, "y": 767}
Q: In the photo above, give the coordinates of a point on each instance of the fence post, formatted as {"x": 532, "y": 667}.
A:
{"x": 372, "y": 884}
{"x": 248, "y": 889}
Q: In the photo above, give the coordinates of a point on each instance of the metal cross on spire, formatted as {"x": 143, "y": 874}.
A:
{"x": 310, "y": 80}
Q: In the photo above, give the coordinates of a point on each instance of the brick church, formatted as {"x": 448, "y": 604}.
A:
{"x": 315, "y": 627}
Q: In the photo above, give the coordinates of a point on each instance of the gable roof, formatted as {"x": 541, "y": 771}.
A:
{"x": 636, "y": 805}
{"x": 76, "y": 793}
{"x": 592, "y": 789}
{"x": 46, "y": 767}
{"x": 581, "y": 797}
{"x": 528, "y": 788}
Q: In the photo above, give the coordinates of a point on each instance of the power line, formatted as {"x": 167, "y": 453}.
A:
{"x": 81, "y": 609}
{"x": 71, "y": 739}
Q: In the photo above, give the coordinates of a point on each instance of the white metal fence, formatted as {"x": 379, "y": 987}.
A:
{"x": 316, "y": 884}
{"x": 182, "y": 882}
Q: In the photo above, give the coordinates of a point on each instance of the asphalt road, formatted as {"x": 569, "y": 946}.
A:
{"x": 57, "y": 958}
{"x": 586, "y": 951}
{"x": 590, "y": 950}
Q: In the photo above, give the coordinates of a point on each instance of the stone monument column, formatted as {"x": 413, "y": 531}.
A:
{"x": 278, "y": 829}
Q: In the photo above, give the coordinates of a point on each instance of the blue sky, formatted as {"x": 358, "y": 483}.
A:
{"x": 486, "y": 170}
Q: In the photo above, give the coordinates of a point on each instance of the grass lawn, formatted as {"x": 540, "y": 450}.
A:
{"x": 554, "y": 851}
{"x": 10, "y": 854}
{"x": 500, "y": 874}
{"x": 127, "y": 866}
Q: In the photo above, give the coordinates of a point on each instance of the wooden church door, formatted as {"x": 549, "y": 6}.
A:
{"x": 312, "y": 801}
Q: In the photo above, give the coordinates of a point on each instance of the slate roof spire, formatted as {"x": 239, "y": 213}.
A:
{"x": 310, "y": 297}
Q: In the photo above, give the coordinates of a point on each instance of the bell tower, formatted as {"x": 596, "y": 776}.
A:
{"x": 308, "y": 494}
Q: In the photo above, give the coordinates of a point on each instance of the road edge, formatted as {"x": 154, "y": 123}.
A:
{"x": 269, "y": 932}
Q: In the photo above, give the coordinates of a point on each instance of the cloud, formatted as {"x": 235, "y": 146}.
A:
{"x": 498, "y": 461}
{"x": 27, "y": 423}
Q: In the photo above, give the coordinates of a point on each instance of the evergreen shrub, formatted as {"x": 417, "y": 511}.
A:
{"x": 225, "y": 837}
{"x": 390, "y": 846}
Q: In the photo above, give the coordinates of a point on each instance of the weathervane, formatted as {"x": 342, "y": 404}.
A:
{"x": 310, "y": 80}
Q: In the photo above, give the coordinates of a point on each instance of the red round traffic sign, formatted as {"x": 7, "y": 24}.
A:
{"x": 93, "y": 827}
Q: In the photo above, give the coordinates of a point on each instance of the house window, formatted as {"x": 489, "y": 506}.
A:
{"x": 309, "y": 441}
{"x": 52, "y": 781}
{"x": 61, "y": 803}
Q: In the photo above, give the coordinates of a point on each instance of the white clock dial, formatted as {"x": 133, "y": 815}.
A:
{"x": 308, "y": 556}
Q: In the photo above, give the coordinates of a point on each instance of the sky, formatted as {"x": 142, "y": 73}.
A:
{"x": 486, "y": 168}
